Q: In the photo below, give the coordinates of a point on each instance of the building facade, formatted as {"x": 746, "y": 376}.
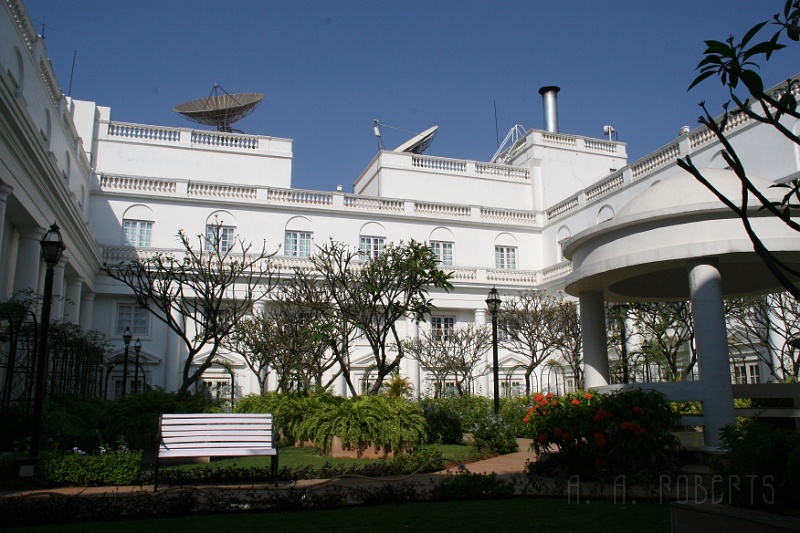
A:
{"x": 124, "y": 190}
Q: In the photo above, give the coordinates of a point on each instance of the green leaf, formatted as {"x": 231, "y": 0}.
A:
{"x": 717, "y": 47}
{"x": 750, "y": 34}
{"x": 753, "y": 82}
{"x": 700, "y": 78}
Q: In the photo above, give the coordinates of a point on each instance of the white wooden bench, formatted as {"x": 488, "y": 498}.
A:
{"x": 216, "y": 435}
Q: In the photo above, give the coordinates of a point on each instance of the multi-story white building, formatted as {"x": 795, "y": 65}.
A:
{"x": 122, "y": 189}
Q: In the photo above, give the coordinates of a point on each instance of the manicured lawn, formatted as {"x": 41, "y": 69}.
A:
{"x": 300, "y": 457}
{"x": 516, "y": 514}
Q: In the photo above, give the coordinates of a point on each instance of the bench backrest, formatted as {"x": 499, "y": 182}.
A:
{"x": 216, "y": 435}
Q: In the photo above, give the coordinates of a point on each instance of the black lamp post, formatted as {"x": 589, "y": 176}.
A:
{"x": 126, "y": 338}
{"x": 493, "y": 303}
{"x": 52, "y": 248}
{"x": 137, "y": 348}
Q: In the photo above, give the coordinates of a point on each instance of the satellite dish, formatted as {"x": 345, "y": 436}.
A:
{"x": 220, "y": 110}
{"x": 419, "y": 143}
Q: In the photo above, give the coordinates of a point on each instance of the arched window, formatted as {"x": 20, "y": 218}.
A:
{"x": 605, "y": 213}
{"x": 137, "y": 226}
{"x": 372, "y": 239}
{"x": 443, "y": 245}
{"x": 562, "y": 237}
{"x": 220, "y": 232}
{"x": 505, "y": 252}
{"x": 18, "y": 73}
{"x": 299, "y": 237}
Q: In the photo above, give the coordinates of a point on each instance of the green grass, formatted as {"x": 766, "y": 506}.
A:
{"x": 515, "y": 514}
{"x": 300, "y": 457}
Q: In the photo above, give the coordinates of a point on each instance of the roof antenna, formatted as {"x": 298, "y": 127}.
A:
{"x": 376, "y": 127}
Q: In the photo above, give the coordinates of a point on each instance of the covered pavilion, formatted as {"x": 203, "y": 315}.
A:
{"x": 677, "y": 241}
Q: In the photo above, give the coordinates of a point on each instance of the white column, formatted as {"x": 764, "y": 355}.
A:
{"x": 28, "y": 259}
{"x": 486, "y": 379}
{"x": 595, "y": 343}
{"x": 58, "y": 291}
{"x": 87, "y": 311}
{"x": 72, "y": 305}
{"x": 10, "y": 254}
{"x": 173, "y": 360}
{"x": 412, "y": 364}
{"x": 713, "y": 360}
{"x": 5, "y": 190}
{"x": 341, "y": 386}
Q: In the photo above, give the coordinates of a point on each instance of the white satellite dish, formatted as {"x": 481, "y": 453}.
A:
{"x": 419, "y": 143}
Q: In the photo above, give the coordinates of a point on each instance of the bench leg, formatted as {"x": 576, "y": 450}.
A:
{"x": 155, "y": 475}
{"x": 275, "y": 470}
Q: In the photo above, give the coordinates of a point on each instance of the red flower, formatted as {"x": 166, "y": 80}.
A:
{"x": 587, "y": 396}
{"x": 602, "y": 414}
{"x": 530, "y": 411}
{"x": 538, "y": 398}
{"x": 549, "y": 395}
{"x": 527, "y": 419}
{"x": 576, "y": 401}
{"x": 543, "y": 438}
{"x": 557, "y": 432}
{"x": 553, "y": 402}
{"x": 637, "y": 410}
{"x": 600, "y": 440}
{"x": 566, "y": 436}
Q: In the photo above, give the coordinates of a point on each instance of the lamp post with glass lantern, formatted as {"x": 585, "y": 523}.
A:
{"x": 126, "y": 338}
{"x": 52, "y": 248}
{"x": 493, "y": 303}
{"x": 137, "y": 348}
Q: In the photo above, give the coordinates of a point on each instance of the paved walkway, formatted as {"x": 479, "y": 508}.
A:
{"x": 503, "y": 465}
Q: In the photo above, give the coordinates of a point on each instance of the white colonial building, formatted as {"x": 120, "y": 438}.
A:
{"x": 121, "y": 189}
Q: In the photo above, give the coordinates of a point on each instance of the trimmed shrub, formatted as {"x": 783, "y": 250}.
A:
{"x": 114, "y": 467}
{"x": 444, "y": 422}
{"x": 494, "y": 435}
{"x": 134, "y": 418}
{"x": 760, "y": 468}
{"x": 289, "y": 410}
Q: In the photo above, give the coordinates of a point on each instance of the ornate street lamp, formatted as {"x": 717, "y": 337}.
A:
{"x": 493, "y": 302}
{"x": 137, "y": 347}
{"x": 52, "y": 248}
{"x": 126, "y": 338}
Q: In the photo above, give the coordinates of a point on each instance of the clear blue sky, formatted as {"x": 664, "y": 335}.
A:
{"x": 329, "y": 68}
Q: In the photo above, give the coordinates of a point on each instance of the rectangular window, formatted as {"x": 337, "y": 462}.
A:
{"x": 753, "y": 374}
{"x": 370, "y": 247}
{"x": 442, "y": 326}
{"x": 226, "y": 235}
{"x": 134, "y": 317}
{"x": 505, "y": 257}
{"x": 137, "y": 233}
{"x": 443, "y": 252}
{"x": 740, "y": 375}
{"x": 297, "y": 244}
{"x": 217, "y": 390}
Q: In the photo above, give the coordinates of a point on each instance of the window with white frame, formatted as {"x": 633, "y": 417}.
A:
{"x": 505, "y": 257}
{"x": 137, "y": 233}
{"x": 297, "y": 243}
{"x": 561, "y": 245}
{"x": 217, "y": 389}
{"x": 747, "y": 374}
{"x": 226, "y": 235}
{"x": 134, "y": 317}
{"x": 442, "y": 326}
{"x": 371, "y": 247}
{"x": 443, "y": 252}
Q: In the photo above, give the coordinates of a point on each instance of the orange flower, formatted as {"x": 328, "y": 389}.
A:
{"x": 588, "y": 396}
{"x": 637, "y": 410}
{"x": 576, "y": 401}
{"x": 538, "y": 398}
{"x": 553, "y": 402}
{"x": 549, "y": 395}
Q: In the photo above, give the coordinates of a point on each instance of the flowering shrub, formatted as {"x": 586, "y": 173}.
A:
{"x": 622, "y": 432}
{"x": 493, "y": 435}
